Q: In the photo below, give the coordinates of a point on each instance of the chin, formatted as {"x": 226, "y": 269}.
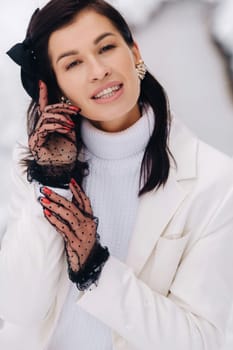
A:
{"x": 111, "y": 111}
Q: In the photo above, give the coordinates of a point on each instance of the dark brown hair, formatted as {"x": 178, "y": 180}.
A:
{"x": 58, "y": 13}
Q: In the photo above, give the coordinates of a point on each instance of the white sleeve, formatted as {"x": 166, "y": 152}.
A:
{"x": 195, "y": 312}
{"x": 31, "y": 256}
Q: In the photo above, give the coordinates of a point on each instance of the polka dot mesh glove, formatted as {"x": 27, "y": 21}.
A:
{"x": 53, "y": 142}
{"x": 78, "y": 227}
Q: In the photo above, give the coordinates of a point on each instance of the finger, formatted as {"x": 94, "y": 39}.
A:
{"x": 61, "y": 118}
{"x": 64, "y": 215}
{"x": 63, "y": 143}
{"x": 81, "y": 197}
{"x": 46, "y": 129}
{"x": 78, "y": 204}
{"x": 43, "y": 95}
{"x": 51, "y": 118}
{"x": 54, "y": 199}
{"x": 62, "y": 108}
{"x": 38, "y": 140}
{"x": 60, "y": 226}
{"x": 77, "y": 199}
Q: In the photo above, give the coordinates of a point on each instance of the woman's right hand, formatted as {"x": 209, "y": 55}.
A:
{"x": 53, "y": 142}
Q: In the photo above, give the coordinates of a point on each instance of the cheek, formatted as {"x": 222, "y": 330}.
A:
{"x": 131, "y": 73}
{"x": 134, "y": 82}
{"x": 62, "y": 83}
{"x": 71, "y": 86}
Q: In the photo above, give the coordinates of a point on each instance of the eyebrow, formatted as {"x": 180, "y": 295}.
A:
{"x": 75, "y": 52}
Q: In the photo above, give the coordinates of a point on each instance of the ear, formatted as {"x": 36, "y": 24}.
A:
{"x": 136, "y": 52}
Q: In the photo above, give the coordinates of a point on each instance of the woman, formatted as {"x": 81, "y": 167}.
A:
{"x": 109, "y": 159}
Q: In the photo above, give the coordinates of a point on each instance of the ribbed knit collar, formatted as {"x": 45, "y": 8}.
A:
{"x": 118, "y": 145}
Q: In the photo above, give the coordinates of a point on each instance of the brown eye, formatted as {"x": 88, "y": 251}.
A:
{"x": 107, "y": 48}
{"x": 73, "y": 64}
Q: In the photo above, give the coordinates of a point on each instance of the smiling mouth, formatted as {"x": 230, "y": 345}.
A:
{"x": 109, "y": 92}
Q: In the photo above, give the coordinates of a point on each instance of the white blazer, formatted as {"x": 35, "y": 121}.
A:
{"x": 175, "y": 290}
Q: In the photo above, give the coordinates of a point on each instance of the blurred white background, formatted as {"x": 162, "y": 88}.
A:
{"x": 176, "y": 41}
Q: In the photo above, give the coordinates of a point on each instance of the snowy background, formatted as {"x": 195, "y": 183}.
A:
{"x": 176, "y": 41}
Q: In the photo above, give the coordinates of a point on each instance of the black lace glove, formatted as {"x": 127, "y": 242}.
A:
{"x": 75, "y": 221}
{"x": 53, "y": 142}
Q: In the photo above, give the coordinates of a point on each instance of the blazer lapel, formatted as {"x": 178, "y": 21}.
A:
{"x": 154, "y": 212}
{"x": 157, "y": 208}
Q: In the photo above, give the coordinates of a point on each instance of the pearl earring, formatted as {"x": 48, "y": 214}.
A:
{"x": 65, "y": 100}
{"x": 141, "y": 69}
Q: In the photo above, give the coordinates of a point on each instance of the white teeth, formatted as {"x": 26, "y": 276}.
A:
{"x": 108, "y": 92}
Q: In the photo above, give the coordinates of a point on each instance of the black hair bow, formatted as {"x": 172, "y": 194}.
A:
{"x": 23, "y": 54}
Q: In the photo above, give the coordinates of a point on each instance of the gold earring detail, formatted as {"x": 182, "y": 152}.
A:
{"x": 65, "y": 100}
{"x": 141, "y": 69}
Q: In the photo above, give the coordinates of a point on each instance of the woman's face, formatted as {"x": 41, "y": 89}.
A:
{"x": 95, "y": 70}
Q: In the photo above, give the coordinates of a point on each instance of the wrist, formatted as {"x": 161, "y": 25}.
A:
{"x": 90, "y": 272}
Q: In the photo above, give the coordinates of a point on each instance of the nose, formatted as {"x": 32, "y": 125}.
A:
{"x": 98, "y": 70}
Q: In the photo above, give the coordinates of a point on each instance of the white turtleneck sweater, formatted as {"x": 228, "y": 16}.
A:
{"x": 112, "y": 185}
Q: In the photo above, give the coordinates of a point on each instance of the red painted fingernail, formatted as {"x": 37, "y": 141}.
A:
{"x": 74, "y": 108}
{"x": 47, "y": 212}
{"x": 46, "y": 190}
{"x": 73, "y": 181}
{"x": 70, "y": 122}
{"x": 67, "y": 128}
{"x": 45, "y": 200}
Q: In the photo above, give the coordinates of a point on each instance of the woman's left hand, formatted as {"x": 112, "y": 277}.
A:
{"x": 74, "y": 221}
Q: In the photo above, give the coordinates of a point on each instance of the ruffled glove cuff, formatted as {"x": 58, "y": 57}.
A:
{"x": 50, "y": 175}
{"x": 90, "y": 272}
{"x": 56, "y": 176}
